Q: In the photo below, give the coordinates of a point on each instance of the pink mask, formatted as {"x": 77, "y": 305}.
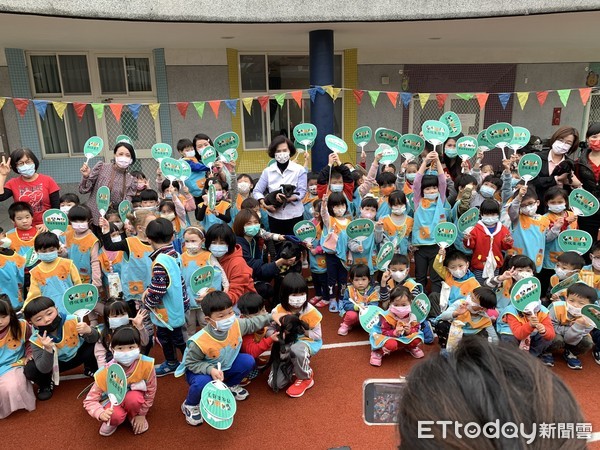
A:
{"x": 400, "y": 311}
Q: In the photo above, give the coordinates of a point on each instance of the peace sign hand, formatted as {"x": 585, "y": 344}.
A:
{"x": 5, "y": 167}
{"x": 47, "y": 342}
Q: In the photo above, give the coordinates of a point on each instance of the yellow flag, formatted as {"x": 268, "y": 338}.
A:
{"x": 60, "y": 108}
{"x": 336, "y": 93}
{"x": 423, "y": 99}
{"x": 522, "y": 96}
{"x": 154, "y": 109}
{"x": 2, "y": 101}
{"x": 248, "y": 104}
{"x": 329, "y": 90}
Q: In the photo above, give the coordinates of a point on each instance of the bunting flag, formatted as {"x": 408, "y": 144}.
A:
{"x": 199, "y": 108}
{"x": 98, "y": 110}
{"x": 374, "y": 96}
{"x": 135, "y": 110}
{"x": 182, "y": 107}
{"x": 2, "y": 101}
{"x": 21, "y": 104}
{"x": 393, "y": 96}
{"x": 80, "y": 110}
{"x": 522, "y": 97}
{"x": 232, "y": 105}
{"x": 423, "y": 99}
{"x": 465, "y": 96}
{"x": 214, "y": 105}
{"x": 584, "y": 93}
{"x": 153, "y": 107}
{"x": 504, "y": 98}
{"x": 116, "y": 109}
{"x": 564, "y": 95}
{"x": 542, "y": 96}
{"x": 329, "y": 90}
{"x": 280, "y": 99}
{"x": 60, "y": 108}
{"x": 41, "y": 106}
{"x": 336, "y": 93}
{"x": 482, "y": 100}
{"x": 406, "y": 98}
{"x": 248, "y": 103}
{"x": 263, "y": 101}
{"x": 297, "y": 95}
{"x": 358, "y": 95}
{"x": 320, "y": 89}
{"x": 312, "y": 92}
{"x": 441, "y": 99}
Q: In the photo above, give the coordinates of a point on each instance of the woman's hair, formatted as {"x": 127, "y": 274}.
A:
{"x": 36, "y": 306}
{"x": 137, "y": 218}
{"x": 554, "y": 192}
{"x": 359, "y": 271}
{"x": 129, "y": 148}
{"x": 592, "y": 130}
{"x": 168, "y": 183}
{"x": 18, "y": 154}
{"x": 276, "y": 142}
{"x": 80, "y": 213}
{"x": 46, "y": 240}
{"x": 6, "y": 309}
{"x": 201, "y": 137}
{"x": 489, "y": 206}
{"x": 335, "y": 199}
{"x": 126, "y": 335}
{"x": 518, "y": 262}
{"x": 484, "y": 384}
{"x": 292, "y": 283}
{"x": 241, "y": 219}
{"x": 397, "y": 198}
{"x": 562, "y": 133}
{"x": 222, "y": 232}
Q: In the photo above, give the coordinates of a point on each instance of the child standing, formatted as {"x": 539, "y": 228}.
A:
{"x": 12, "y": 272}
{"x": 24, "y": 233}
{"x": 397, "y": 226}
{"x": 364, "y": 251}
{"x": 311, "y": 195}
{"x": 83, "y": 246}
{"x": 359, "y": 293}
{"x": 189, "y": 152}
{"x": 222, "y": 210}
{"x": 316, "y": 257}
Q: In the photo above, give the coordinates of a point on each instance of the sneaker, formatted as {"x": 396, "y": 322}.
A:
{"x": 45, "y": 393}
{"x": 547, "y": 359}
{"x": 166, "y": 368}
{"x": 239, "y": 392}
{"x": 299, "y": 387}
{"x": 88, "y": 372}
{"x": 322, "y": 303}
{"x": 427, "y": 332}
{"x": 572, "y": 360}
{"x": 375, "y": 358}
{"x": 596, "y": 355}
{"x": 106, "y": 429}
{"x": 333, "y": 306}
{"x": 315, "y": 300}
{"x": 251, "y": 376}
{"x": 343, "y": 329}
{"x": 416, "y": 352}
{"x": 192, "y": 414}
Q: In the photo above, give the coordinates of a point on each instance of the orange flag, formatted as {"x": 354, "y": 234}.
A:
{"x": 482, "y": 99}
{"x": 393, "y": 96}
{"x": 441, "y": 99}
{"x": 214, "y": 105}
{"x": 584, "y": 93}
{"x": 297, "y": 95}
{"x": 116, "y": 109}
{"x": 264, "y": 101}
{"x": 21, "y": 104}
{"x": 541, "y": 96}
{"x": 183, "y": 107}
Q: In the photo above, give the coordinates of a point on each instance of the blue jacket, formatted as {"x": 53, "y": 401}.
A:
{"x": 261, "y": 271}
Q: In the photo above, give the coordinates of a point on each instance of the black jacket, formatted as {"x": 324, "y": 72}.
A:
{"x": 586, "y": 175}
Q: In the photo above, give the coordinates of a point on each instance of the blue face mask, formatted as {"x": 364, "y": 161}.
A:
{"x": 411, "y": 177}
{"x": 218, "y": 250}
{"x": 337, "y": 187}
{"x": 451, "y": 152}
{"x": 433, "y": 196}
{"x": 27, "y": 170}
{"x": 251, "y": 230}
{"x": 48, "y": 257}
{"x": 487, "y": 192}
{"x": 514, "y": 182}
{"x": 431, "y": 172}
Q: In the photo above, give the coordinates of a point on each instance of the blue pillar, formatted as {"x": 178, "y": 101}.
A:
{"x": 321, "y": 74}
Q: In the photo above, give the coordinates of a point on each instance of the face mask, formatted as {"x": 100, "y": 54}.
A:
{"x": 116, "y": 238}
{"x": 557, "y": 208}
{"x": 487, "y": 192}
{"x": 472, "y": 306}
{"x": 529, "y": 210}
{"x": 123, "y": 162}
{"x": 116, "y": 322}
{"x": 399, "y": 275}
{"x": 189, "y": 154}
{"x": 218, "y": 250}
{"x": 339, "y": 211}
{"x": 225, "y": 324}
{"x": 562, "y": 273}
{"x": 400, "y": 311}
{"x": 27, "y": 170}
{"x": 5, "y": 242}
{"x": 48, "y": 257}
{"x": 141, "y": 185}
{"x": 411, "y": 177}
{"x": 572, "y": 310}
{"x": 451, "y": 152}
{"x": 296, "y": 301}
{"x": 514, "y": 182}
{"x": 398, "y": 210}
{"x": 594, "y": 145}
{"x": 119, "y": 225}
{"x": 560, "y": 148}
{"x": 244, "y": 187}
{"x": 433, "y": 196}
{"x": 337, "y": 187}
{"x": 127, "y": 358}
{"x": 596, "y": 263}
{"x": 80, "y": 226}
{"x": 431, "y": 172}
{"x": 312, "y": 189}
{"x": 458, "y": 273}
{"x": 282, "y": 157}
{"x": 168, "y": 216}
{"x": 367, "y": 215}
{"x": 192, "y": 247}
{"x": 251, "y": 230}
{"x": 219, "y": 195}
{"x": 387, "y": 190}
{"x": 490, "y": 220}
{"x": 52, "y": 327}
{"x": 65, "y": 209}
{"x": 532, "y": 308}
{"x": 522, "y": 275}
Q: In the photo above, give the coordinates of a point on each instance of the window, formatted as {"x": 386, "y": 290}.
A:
{"x": 267, "y": 74}
{"x": 122, "y": 75}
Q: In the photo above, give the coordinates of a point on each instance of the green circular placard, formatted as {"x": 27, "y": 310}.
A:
{"x": 435, "y": 132}
{"x": 390, "y": 154}
{"x": 387, "y": 136}
{"x": 483, "y": 142}
{"x": 578, "y": 241}
{"x": 335, "y": 144}
{"x": 520, "y": 138}
{"x": 420, "y": 307}
{"x": 530, "y": 166}
{"x": 202, "y": 278}
{"x": 410, "y": 146}
{"x": 468, "y": 219}
{"x": 170, "y": 168}
{"x": 160, "y": 151}
{"x": 583, "y": 203}
{"x": 227, "y": 141}
{"x": 360, "y": 228}
{"x": 362, "y": 136}
{"x": 445, "y": 234}
{"x": 525, "y": 291}
{"x": 452, "y": 120}
{"x": 305, "y": 133}
{"x": 116, "y": 382}
{"x": 93, "y": 146}
{"x": 500, "y": 134}
{"x": 305, "y": 230}
{"x": 466, "y": 147}
{"x": 80, "y": 299}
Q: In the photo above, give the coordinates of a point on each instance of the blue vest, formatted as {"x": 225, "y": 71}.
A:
{"x": 12, "y": 349}
{"x": 195, "y": 182}
{"x": 136, "y": 271}
{"x": 67, "y": 341}
{"x": 190, "y": 267}
{"x": 426, "y": 218}
{"x": 530, "y": 241}
{"x": 366, "y": 256}
{"x": 317, "y": 262}
{"x": 459, "y": 244}
{"x": 172, "y": 302}
{"x": 12, "y": 273}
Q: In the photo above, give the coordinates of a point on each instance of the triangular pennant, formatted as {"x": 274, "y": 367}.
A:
{"x": 248, "y": 104}
{"x": 21, "y": 104}
{"x": 423, "y": 99}
{"x": 465, "y": 96}
{"x": 135, "y": 110}
{"x": 182, "y": 107}
{"x": 564, "y": 95}
{"x": 584, "y": 93}
{"x": 79, "y": 109}
{"x": 154, "y": 107}
{"x": 214, "y": 105}
{"x": 312, "y": 92}
{"x": 522, "y": 96}
{"x": 541, "y": 96}
{"x": 336, "y": 93}
{"x": 374, "y": 96}
{"x": 40, "y": 106}
{"x": 406, "y": 98}
{"x": 2, "y": 101}
{"x": 60, "y": 108}
{"x": 280, "y": 99}
{"x": 116, "y": 109}
{"x": 358, "y": 95}
{"x": 98, "y": 110}
{"x": 329, "y": 90}
{"x": 441, "y": 99}
{"x": 232, "y": 105}
{"x": 297, "y": 95}
{"x": 504, "y": 98}
{"x": 393, "y": 96}
{"x": 263, "y": 101}
{"x": 199, "y": 108}
{"x": 320, "y": 89}
{"x": 482, "y": 100}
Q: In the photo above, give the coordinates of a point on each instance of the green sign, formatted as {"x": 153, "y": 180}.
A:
{"x": 583, "y": 203}
{"x": 209, "y": 156}
{"x": 202, "y": 278}
{"x": 577, "y": 241}
{"x": 31, "y": 257}
{"x": 335, "y": 144}
{"x": 468, "y": 220}
{"x": 212, "y": 197}
{"x": 435, "y": 132}
{"x": 116, "y": 382}
{"x": 565, "y": 284}
{"x": 217, "y": 405}
{"x": 227, "y": 141}
{"x": 80, "y": 299}
{"x": 186, "y": 170}
{"x": 500, "y": 134}
{"x": 387, "y": 136}
{"x": 483, "y": 142}
{"x": 103, "y": 200}
{"x": 530, "y": 166}
{"x": 125, "y": 208}
{"x": 305, "y": 133}
{"x": 452, "y": 120}
{"x": 525, "y": 291}
{"x": 445, "y": 234}
{"x": 385, "y": 255}
{"x": 389, "y": 154}
{"x": 360, "y": 229}
{"x": 420, "y": 307}
{"x": 160, "y": 151}
{"x": 92, "y": 147}
{"x": 411, "y": 146}
{"x": 170, "y": 168}
{"x": 466, "y": 147}
{"x": 520, "y": 139}
{"x": 56, "y": 221}
{"x": 123, "y": 138}
{"x": 230, "y": 155}
{"x": 362, "y": 136}
{"x": 370, "y": 317}
{"x": 303, "y": 148}
{"x": 592, "y": 312}
{"x": 305, "y": 230}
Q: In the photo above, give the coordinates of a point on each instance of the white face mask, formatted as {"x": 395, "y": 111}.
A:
{"x": 119, "y": 225}
{"x": 127, "y": 358}
{"x": 399, "y": 275}
{"x": 312, "y": 189}
{"x": 572, "y": 310}
{"x": 398, "y": 210}
{"x": 192, "y": 247}
{"x": 244, "y": 187}
{"x": 458, "y": 273}
{"x": 123, "y": 162}
{"x": 432, "y": 196}
{"x": 190, "y": 154}
{"x": 490, "y": 220}
{"x": 116, "y": 238}
{"x": 339, "y": 211}
{"x": 168, "y": 216}
{"x": 80, "y": 226}
{"x": 522, "y": 275}
{"x": 368, "y": 215}
{"x": 562, "y": 273}
{"x": 337, "y": 187}
{"x": 297, "y": 300}
{"x": 282, "y": 157}
{"x": 116, "y": 322}
{"x": 65, "y": 209}
{"x": 529, "y": 210}
{"x": 560, "y": 148}
{"x": 596, "y": 263}
{"x": 557, "y": 208}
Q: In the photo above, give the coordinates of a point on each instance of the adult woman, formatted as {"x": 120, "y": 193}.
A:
{"x": 37, "y": 189}
{"x": 114, "y": 175}
{"x": 284, "y": 171}
{"x": 587, "y": 170}
{"x": 451, "y": 160}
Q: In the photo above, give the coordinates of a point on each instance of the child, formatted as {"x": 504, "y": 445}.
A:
{"x": 571, "y": 328}
{"x": 136, "y": 202}
{"x": 359, "y": 293}
{"x": 167, "y": 210}
{"x": 55, "y": 332}
{"x": 53, "y": 275}
{"x": 254, "y": 205}
{"x": 412, "y": 167}
{"x": 397, "y": 226}
{"x": 336, "y": 178}
{"x": 221, "y": 213}
{"x": 255, "y": 344}
{"x": 189, "y": 152}
{"x": 142, "y": 182}
{"x": 531, "y": 329}
{"x": 311, "y": 195}
{"x": 590, "y": 274}
{"x": 24, "y": 233}
{"x": 15, "y": 391}
{"x": 387, "y": 185}
{"x": 166, "y": 296}
{"x": 183, "y": 200}
{"x": 364, "y": 251}
{"x": 83, "y": 246}
{"x": 489, "y": 239}
{"x": 67, "y": 201}
{"x": 316, "y": 257}
{"x": 242, "y": 191}
{"x": 567, "y": 265}
{"x": 398, "y": 275}
{"x": 398, "y": 329}
{"x": 454, "y": 270}
{"x": 141, "y": 386}
{"x": 294, "y": 300}
{"x": 149, "y": 199}
{"x": 213, "y": 353}
{"x": 12, "y": 272}
{"x": 111, "y": 264}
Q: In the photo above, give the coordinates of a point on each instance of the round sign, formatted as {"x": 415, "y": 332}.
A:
{"x": 530, "y": 166}
{"x": 125, "y": 208}
{"x": 577, "y": 241}
{"x": 170, "y": 168}
{"x": 563, "y": 285}
{"x": 520, "y": 139}
{"x": 212, "y": 197}
{"x": 387, "y": 136}
{"x": 583, "y": 203}
{"x": 435, "y": 132}
{"x": 420, "y": 307}
{"x": 592, "y": 312}
{"x": 390, "y": 154}
{"x": 160, "y": 151}
{"x": 227, "y": 141}
{"x": 93, "y": 146}
{"x": 362, "y": 136}
{"x": 103, "y": 200}
{"x": 305, "y": 230}
{"x": 483, "y": 142}
{"x": 452, "y": 120}
{"x": 500, "y": 134}
{"x": 370, "y": 317}
{"x": 208, "y": 156}
{"x": 305, "y": 133}
{"x": 445, "y": 234}
{"x": 525, "y": 291}
{"x": 468, "y": 219}
{"x": 186, "y": 170}
{"x": 55, "y": 220}
{"x": 202, "y": 278}
{"x": 303, "y": 148}
{"x": 335, "y": 144}
{"x": 80, "y": 299}
{"x": 116, "y": 383}
{"x": 411, "y": 146}
{"x": 360, "y": 229}
{"x": 123, "y": 138}
{"x": 466, "y": 147}
{"x": 385, "y": 255}
{"x": 230, "y": 155}
{"x": 217, "y": 405}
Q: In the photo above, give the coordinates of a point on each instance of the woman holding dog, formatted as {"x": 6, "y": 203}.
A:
{"x": 283, "y": 171}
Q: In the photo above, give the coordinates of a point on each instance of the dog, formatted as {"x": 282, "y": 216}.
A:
{"x": 291, "y": 327}
{"x": 563, "y": 167}
{"x": 287, "y": 190}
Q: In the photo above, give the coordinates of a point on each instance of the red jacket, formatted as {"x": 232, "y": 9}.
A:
{"x": 479, "y": 242}
{"x": 238, "y": 273}
{"x": 253, "y": 348}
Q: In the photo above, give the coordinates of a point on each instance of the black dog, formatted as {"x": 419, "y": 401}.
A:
{"x": 563, "y": 167}
{"x": 287, "y": 190}
{"x": 291, "y": 327}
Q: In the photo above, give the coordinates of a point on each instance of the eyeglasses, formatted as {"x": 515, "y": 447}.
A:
{"x": 23, "y": 163}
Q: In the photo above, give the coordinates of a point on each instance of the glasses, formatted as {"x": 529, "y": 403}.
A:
{"x": 23, "y": 163}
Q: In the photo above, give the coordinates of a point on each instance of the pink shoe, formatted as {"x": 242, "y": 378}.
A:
{"x": 416, "y": 352}
{"x": 343, "y": 329}
{"x": 106, "y": 429}
{"x": 322, "y": 303}
{"x": 375, "y": 358}
{"x": 314, "y": 300}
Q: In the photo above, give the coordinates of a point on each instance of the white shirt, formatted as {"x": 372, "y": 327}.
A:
{"x": 271, "y": 180}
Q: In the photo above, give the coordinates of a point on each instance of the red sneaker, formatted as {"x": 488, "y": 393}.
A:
{"x": 299, "y": 387}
